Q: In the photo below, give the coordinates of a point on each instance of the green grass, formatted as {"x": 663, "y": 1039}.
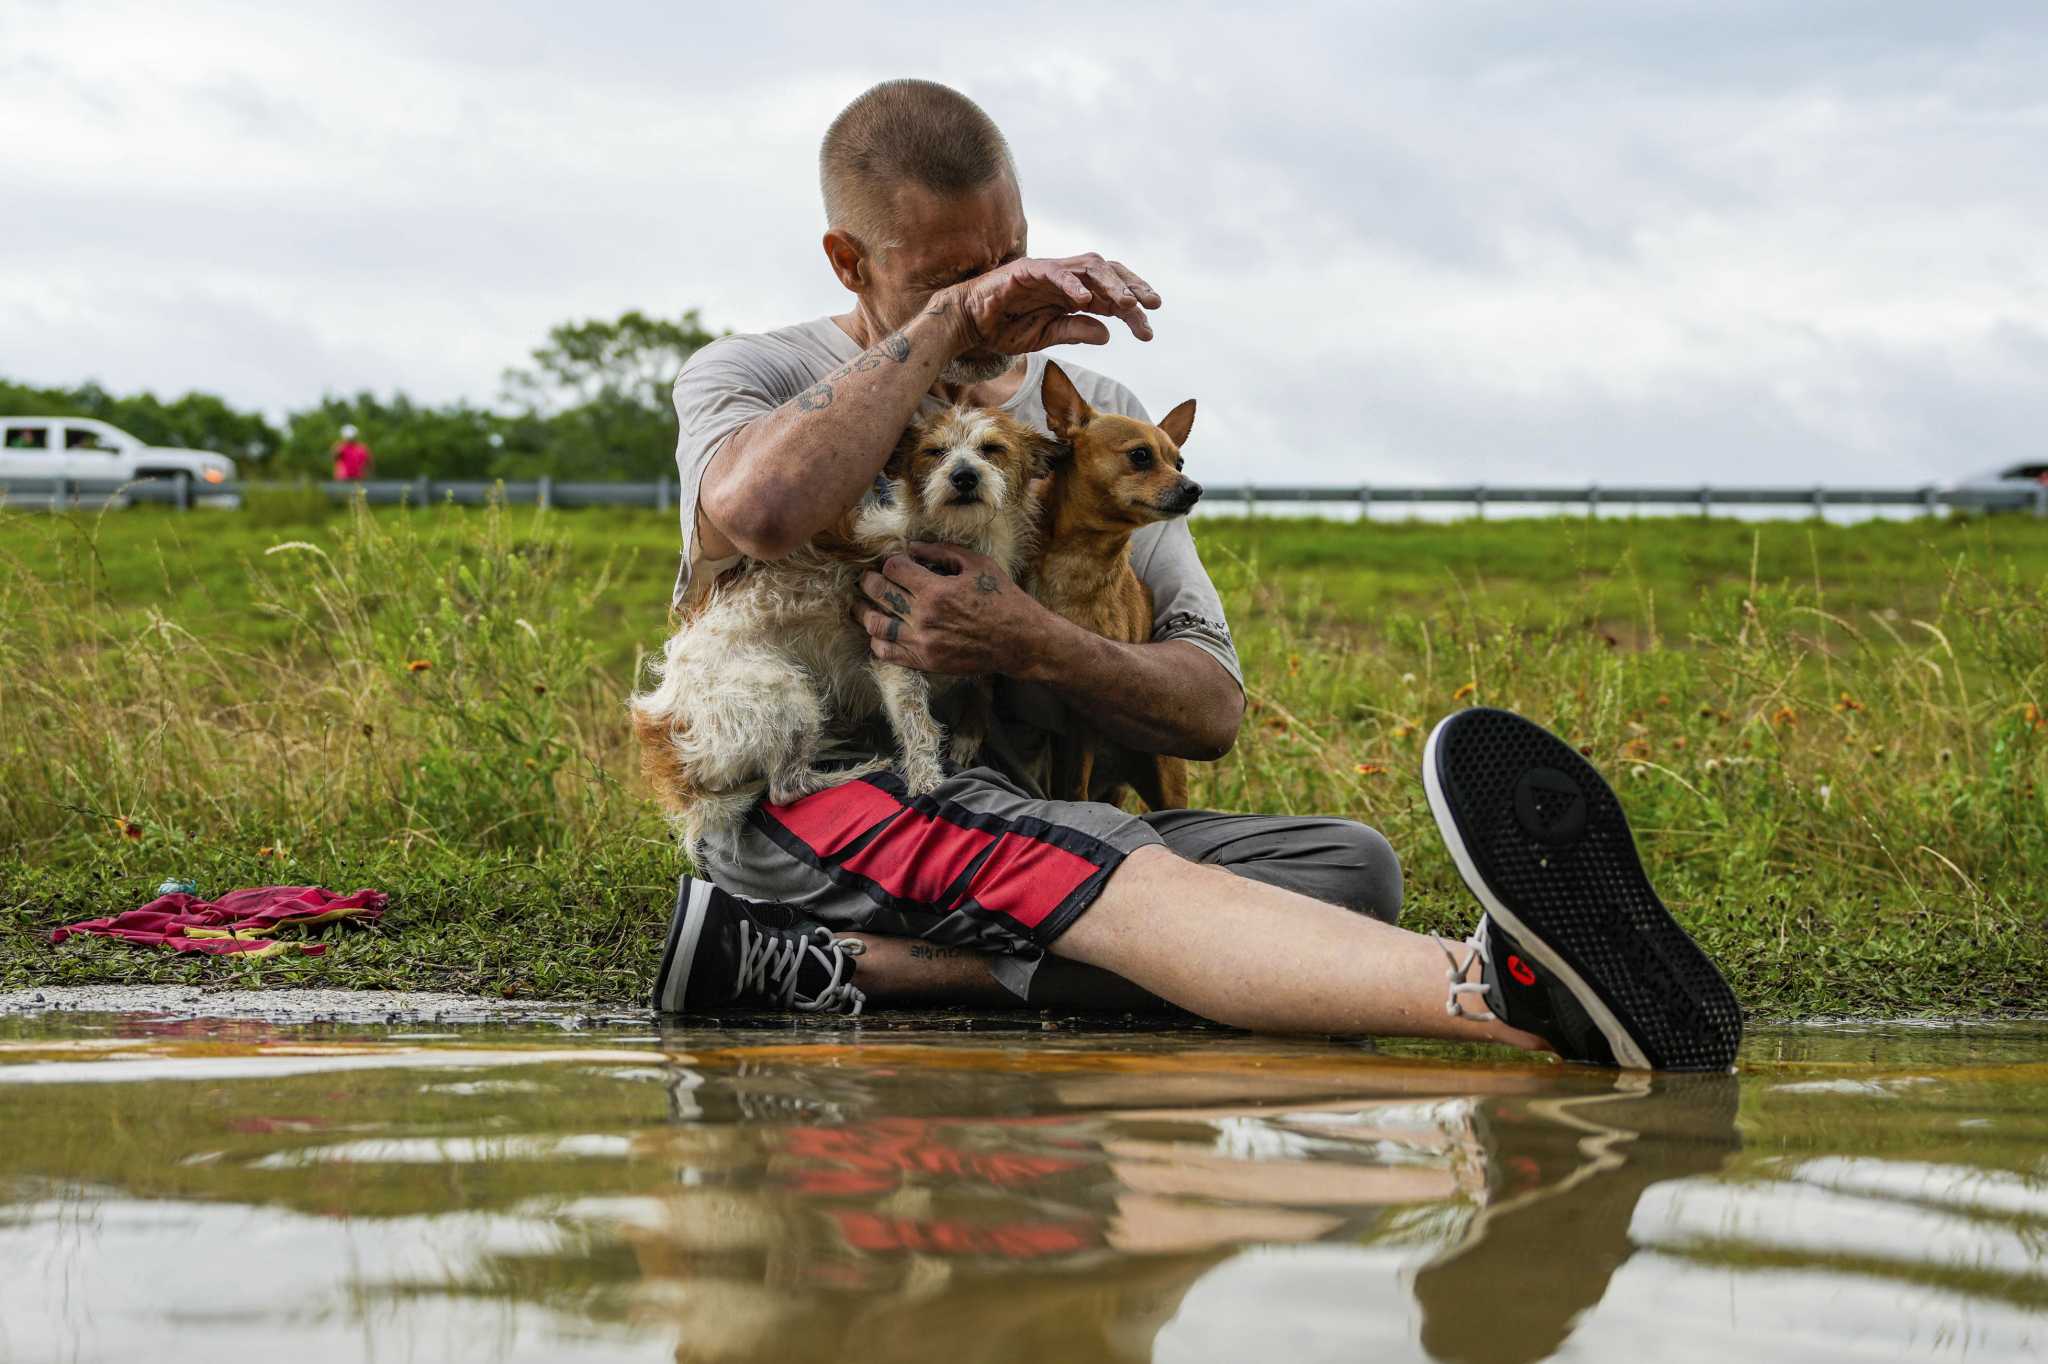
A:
{"x": 1830, "y": 738}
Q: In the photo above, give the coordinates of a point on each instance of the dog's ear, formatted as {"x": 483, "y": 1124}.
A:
{"x": 898, "y": 462}
{"x": 1047, "y": 454}
{"x": 1179, "y": 422}
{"x": 1065, "y": 413}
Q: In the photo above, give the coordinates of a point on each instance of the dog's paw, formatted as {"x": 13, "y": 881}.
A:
{"x": 922, "y": 776}
{"x": 963, "y": 749}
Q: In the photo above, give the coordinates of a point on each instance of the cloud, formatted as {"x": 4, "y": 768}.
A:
{"x": 1611, "y": 241}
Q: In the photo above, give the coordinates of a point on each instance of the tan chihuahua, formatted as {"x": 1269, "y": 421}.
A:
{"x": 1117, "y": 475}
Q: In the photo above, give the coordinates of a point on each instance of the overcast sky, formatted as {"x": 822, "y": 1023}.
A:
{"x": 1406, "y": 242}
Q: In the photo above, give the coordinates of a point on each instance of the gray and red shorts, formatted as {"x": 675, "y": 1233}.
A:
{"x": 981, "y": 863}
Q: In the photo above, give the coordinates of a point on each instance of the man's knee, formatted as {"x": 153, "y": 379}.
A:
{"x": 1365, "y": 871}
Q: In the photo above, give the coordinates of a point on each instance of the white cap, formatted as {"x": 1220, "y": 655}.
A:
{"x": 348, "y": 431}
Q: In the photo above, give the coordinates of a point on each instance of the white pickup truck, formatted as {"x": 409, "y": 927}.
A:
{"x": 35, "y": 449}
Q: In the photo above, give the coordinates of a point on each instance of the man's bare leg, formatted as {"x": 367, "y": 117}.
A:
{"x": 1256, "y": 956}
{"x": 911, "y": 971}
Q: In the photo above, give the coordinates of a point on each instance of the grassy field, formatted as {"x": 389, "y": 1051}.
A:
{"x": 1831, "y": 738}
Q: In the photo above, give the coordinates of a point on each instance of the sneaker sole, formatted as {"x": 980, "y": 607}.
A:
{"x": 1541, "y": 840}
{"x": 693, "y": 899}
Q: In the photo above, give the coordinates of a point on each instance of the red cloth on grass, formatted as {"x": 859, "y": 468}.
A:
{"x": 239, "y": 921}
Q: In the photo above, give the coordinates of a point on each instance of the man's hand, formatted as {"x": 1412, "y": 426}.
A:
{"x": 1032, "y": 303}
{"x": 967, "y": 618}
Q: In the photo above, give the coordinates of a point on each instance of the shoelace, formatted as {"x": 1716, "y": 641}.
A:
{"x": 1454, "y": 1003}
{"x": 770, "y": 961}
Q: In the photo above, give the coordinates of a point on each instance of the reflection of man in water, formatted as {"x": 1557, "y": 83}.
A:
{"x": 1121, "y": 1209}
{"x": 352, "y": 458}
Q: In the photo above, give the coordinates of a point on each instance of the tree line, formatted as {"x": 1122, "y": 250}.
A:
{"x": 592, "y": 404}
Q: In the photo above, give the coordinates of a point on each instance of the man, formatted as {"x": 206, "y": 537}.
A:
{"x": 985, "y": 890}
{"x": 352, "y": 458}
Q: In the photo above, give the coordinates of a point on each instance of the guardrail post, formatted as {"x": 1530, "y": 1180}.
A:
{"x": 544, "y": 492}
{"x": 1820, "y": 501}
{"x": 2041, "y": 500}
{"x": 1929, "y": 499}
{"x": 1592, "y": 500}
{"x": 422, "y": 491}
{"x": 1251, "y": 501}
{"x": 184, "y": 491}
{"x": 1479, "y": 501}
{"x": 661, "y": 502}
{"x": 1706, "y": 499}
{"x": 60, "y": 493}
{"x": 1365, "y": 503}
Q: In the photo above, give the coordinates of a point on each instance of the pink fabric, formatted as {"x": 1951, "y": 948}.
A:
{"x": 239, "y": 921}
{"x": 351, "y": 458}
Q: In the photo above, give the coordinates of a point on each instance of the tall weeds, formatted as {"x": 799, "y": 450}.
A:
{"x": 435, "y": 690}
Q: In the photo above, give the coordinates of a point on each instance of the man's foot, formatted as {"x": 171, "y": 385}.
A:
{"x": 1575, "y": 946}
{"x": 725, "y": 950}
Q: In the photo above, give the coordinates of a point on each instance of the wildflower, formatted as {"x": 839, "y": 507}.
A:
{"x": 2033, "y": 716}
{"x": 1464, "y": 691}
{"x": 1681, "y": 742}
{"x": 369, "y": 730}
{"x": 1662, "y": 699}
{"x": 130, "y": 829}
{"x": 1407, "y": 679}
{"x": 1293, "y": 664}
{"x": 1368, "y": 769}
{"x": 1877, "y": 750}
{"x": 1785, "y": 716}
{"x": 530, "y": 762}
{"x": 1827, "y": 793}
{"x": 1848, "y": 703}
{"x": 540, "y": 689}
{"x": 1638, "y": 749}
{"x": 418, "y": 665}
{"x": 1404, "y": 730}
{"x": 1585, "y": 750}
{"x": 266, "y": 851}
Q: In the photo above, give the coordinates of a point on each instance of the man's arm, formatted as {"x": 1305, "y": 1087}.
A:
{"x": 785, "y": 476}
{"x": 1165, "y": 697}
{"x": 782, "y": 478}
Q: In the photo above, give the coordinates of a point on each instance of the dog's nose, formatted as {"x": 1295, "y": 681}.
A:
{"x": 1190, "y": 492}
{"x": 965, "y": 480}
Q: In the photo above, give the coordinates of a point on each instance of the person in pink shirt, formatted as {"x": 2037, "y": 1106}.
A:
{"x": 351, "y": 457}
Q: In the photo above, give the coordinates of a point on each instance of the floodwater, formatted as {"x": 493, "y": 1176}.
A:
{"x": 205, "y": 1189}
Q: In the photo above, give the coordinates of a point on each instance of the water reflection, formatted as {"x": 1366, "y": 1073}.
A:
{"x": 715, "y": 1196}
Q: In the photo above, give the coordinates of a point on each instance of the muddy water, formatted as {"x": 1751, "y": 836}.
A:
{"x": 195, "y": 1189}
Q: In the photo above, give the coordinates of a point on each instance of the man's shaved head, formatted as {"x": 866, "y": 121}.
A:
{"x": 904, "y": 132}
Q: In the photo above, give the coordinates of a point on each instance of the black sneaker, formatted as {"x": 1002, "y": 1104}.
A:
{"x": 1575, "y": 946}
{"x": 725, "y": 950}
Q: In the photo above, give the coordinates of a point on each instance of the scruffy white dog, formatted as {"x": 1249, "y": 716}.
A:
{"x": 771, "y": 661}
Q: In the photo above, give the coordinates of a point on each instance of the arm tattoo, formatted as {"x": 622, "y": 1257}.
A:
{"x": 931, "y": 953}
{"x": 986, "y": 583}
{"x": 896, "y": 346}
{"x": 816, "y": 398}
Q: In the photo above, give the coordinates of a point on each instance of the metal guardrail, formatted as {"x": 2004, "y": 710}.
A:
{"x": 60, "y": 493}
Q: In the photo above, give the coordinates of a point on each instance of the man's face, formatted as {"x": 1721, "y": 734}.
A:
{"x": 945, "y": 240}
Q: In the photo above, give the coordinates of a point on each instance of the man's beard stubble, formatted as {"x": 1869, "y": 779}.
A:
{"x": 976, "y": 367}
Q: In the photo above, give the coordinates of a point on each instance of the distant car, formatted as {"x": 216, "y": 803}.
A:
{"x": 2028, "y": 478}
{"x": 40, "y": 448}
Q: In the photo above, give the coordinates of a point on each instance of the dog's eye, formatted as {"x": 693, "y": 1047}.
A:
{"x": 1141, "y": 458}
{"x": 934, "y": 452}
{"x": 991, "y": 448}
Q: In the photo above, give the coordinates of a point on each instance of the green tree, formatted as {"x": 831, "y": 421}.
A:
{"x": 195, "y": 421}
{"x": 601, "y": 390}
